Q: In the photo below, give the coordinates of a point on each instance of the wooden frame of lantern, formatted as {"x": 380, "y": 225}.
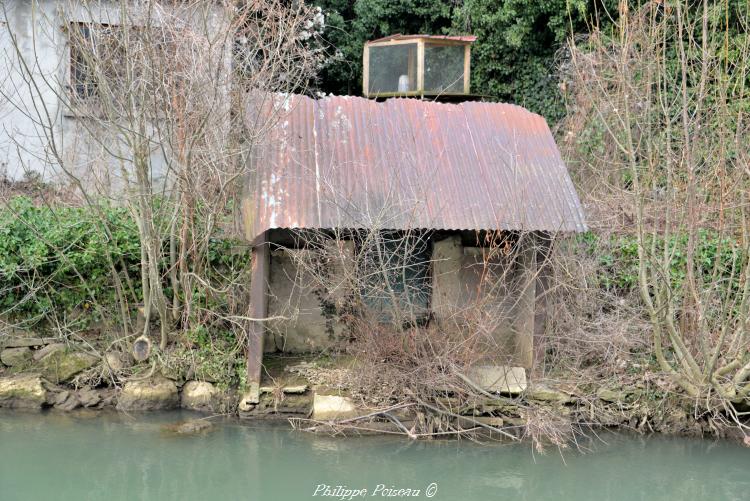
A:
{"x": 421, "y": 41}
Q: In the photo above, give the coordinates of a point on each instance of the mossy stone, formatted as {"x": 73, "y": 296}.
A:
{"x": 15, "y": 357}
{"x": 24, "y": 391}
{"x": 61, "y": 366}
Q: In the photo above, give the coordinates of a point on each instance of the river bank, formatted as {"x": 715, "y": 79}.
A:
{"x": 314, "y": 393}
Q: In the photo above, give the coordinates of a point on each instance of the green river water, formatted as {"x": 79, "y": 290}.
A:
{"x": 115, "y": 456}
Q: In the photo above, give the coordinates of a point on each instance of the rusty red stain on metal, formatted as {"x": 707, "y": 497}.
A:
{"x": 350, "y": 162}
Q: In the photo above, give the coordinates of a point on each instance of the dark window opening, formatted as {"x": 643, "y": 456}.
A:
{"x": 394, "y": 275}
{"x": 107, "y": 59}
{"x": 88, "y": 44}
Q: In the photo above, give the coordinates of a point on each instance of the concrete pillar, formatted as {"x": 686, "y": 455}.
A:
{"x": 544, "y": 279}
{"x": 447, "y": 256}
{"x": 523, "y": 311}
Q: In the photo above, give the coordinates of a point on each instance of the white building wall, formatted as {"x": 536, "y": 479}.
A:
{"x": 29, "y": 37}
{"x": 39, "y": 135}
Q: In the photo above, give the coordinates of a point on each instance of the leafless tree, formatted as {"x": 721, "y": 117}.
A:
{"x": 148, "y": 108}
{"x": 664, "y": 93}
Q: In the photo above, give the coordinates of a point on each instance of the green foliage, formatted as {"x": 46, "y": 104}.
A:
{"x": 350, "y": 24}
{"x": 514, "y": 56}
{"x": 208, "y": 355}
{"x": 228, "y": 261}
{"x": 513, "y": 59}
{"x": 46, "y": 252}
{"x": 53, "y": 262}
{"x": 716, "y": 94}
{"x": 204, "y": 338}
{"x": 617, "y": 259}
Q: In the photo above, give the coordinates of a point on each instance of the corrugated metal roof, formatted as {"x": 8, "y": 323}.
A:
{"x": 350, "y": 162}
{"x": 399, "y": 36}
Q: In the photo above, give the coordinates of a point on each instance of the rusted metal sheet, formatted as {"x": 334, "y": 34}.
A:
{"x": 258, "y": 312}
{"x": 350, "y": 162}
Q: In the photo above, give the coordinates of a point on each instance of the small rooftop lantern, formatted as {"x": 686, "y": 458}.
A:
{"x": 417, "y": 66}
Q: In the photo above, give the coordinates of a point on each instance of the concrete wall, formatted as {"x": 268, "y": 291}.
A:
{"x": 24, "y": 143}
{"x": 308, "y": 303}
{"x": 40, "y": 134}
{"x": 494, "y": 295}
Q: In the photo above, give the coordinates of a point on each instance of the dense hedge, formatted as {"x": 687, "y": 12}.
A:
{"x": 513, "y": 60}
{"x": 53, "y": 260}
{"x": 45, "y": 252}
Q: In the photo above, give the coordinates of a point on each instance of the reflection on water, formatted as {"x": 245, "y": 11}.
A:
{"x": 116, "y": 456}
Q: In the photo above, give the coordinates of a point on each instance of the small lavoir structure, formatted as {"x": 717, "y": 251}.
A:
{"x": 442, "y": 185}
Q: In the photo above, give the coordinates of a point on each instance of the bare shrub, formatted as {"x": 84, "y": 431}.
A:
{"x": 150, "y": 114}
{"x": 659, "y": 140}
{"x": 596, "y": 329}
{"x": 414, "y": 346}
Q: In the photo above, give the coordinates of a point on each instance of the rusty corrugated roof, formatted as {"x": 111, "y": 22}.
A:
{"x": 350, "y": 162}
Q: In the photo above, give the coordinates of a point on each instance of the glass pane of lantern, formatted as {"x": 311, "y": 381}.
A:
{"x": 393, "y": 68}
{"x": 443, "y": 68}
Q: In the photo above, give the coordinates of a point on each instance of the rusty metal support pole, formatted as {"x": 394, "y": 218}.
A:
{"x": 258, "y": 311}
